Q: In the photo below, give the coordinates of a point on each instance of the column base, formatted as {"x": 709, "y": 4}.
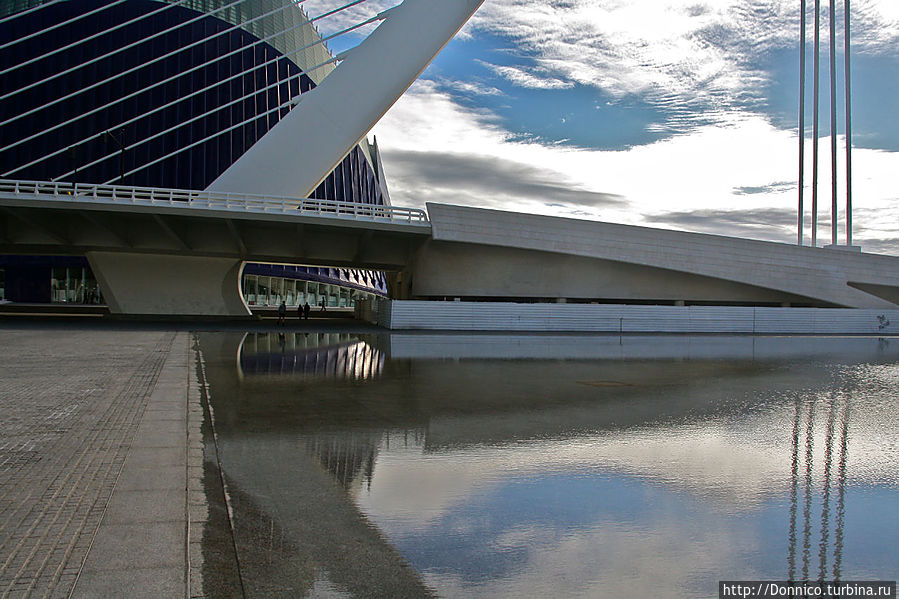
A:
{"x": 169, "y": 285}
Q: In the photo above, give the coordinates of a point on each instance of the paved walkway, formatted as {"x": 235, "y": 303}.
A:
{"x": 100, "y": 463}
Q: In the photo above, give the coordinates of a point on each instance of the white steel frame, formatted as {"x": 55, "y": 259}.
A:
{"x": 295, "y": 156}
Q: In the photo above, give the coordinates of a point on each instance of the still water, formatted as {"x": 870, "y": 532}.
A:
{"x": 552, "y": 466}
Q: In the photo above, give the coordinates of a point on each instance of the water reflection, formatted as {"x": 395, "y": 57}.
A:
{"x": 611, "y": 473}
{"x": 837, "y": 407}
{"x": 331, "y": 355}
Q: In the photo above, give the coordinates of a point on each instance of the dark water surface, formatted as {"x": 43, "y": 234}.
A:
{"x": 554, "y": 466}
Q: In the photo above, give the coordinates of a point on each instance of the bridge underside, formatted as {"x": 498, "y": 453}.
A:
{"x": 165, "y": 262}
{"x": 478, "y": 254}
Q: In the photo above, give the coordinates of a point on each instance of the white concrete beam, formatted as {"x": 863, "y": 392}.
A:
{"x": 299, "y": 152}
{"x": 169, "y": 285}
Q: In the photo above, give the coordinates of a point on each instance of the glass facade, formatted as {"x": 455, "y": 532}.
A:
{"x": 74, "y": 285}
{"x": 48, "y": 279}
{"x": 191, "y": 105}
{"x": 178, "y": 119}
{"x": 266, "y": 291}
{"x": 269, "y": 284}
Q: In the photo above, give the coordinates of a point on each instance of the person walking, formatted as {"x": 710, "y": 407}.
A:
{"x": 282, "y": 313}
{"x": 306, "y": 310}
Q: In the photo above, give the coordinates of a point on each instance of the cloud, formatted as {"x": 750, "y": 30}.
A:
{"x": 673, "y": 54}
{"x": 435, "y": 149}
{"x": 697, "y": 61}
{"x": 491, "y": 180}
{"x": 779, "y": 187}
{"x": 471, "y": 88}
{"x": 345, "y": 18}
{"x": 530, "y": 79}
{"x": 875, "y": 26}
{"x": 773, "y": 224}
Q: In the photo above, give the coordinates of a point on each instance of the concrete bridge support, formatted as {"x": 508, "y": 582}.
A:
{"x": 168, "y": 284}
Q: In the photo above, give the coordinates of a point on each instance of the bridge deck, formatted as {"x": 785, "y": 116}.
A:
{"x": 28, "y": 193}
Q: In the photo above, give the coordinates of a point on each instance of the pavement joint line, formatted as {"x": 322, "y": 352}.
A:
{"x": 148, "y": 396}
{"x": 62, "y": 455}
{"x": 187, "y": 467}
{"x": 90, "y": 469}
{"x": 41, "y": 559}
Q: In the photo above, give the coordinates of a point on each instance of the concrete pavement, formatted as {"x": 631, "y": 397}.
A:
{"x": 101, "y": 463}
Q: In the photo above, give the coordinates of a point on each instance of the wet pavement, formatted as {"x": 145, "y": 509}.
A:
{"x": 418, "y": 465}
{"x": 109, "y": 478}
{"x": 335, "y": 460}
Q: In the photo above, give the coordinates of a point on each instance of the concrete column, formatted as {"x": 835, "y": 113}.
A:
{"x": 169, "y": 285}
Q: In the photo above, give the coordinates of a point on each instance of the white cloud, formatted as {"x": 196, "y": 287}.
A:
{"x": 695, "y": 60}
{"x": 672, "y": 52}
{"x": 474, "y": 88}
{"x": 711, "y": 170}
{"x": 524, "y": 78}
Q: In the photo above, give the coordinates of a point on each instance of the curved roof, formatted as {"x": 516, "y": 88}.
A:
{"x": 293, "y": 18}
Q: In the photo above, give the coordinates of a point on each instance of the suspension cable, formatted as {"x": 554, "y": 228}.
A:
{"x": 166, "y": 6}
{"x": 202, "y": 116}
{"x": 135, "y": 68}
{"x": 196, "y": 143}
{"x": 22, "y": 13}
{"x": 181, "y": 98}
{"x": 290, "y": 102}
{"x": 58, "y": 25}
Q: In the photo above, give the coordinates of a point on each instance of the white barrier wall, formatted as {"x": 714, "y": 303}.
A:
{"x": 604, "y": 318}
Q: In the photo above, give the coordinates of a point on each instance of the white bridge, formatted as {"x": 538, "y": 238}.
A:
{"x": 169, "y": 251}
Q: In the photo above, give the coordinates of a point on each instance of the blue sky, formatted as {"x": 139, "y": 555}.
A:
{"x": 669, "y": 113}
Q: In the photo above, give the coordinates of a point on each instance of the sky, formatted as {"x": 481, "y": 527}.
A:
{"x": 678, "y": 114}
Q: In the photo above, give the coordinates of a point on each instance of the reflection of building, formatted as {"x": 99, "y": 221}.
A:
{"x": 316, "y": 355}
{"x": 154, "y": 95}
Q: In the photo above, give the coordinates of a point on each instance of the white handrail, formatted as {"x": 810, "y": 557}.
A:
{"x": 203, "y": 200}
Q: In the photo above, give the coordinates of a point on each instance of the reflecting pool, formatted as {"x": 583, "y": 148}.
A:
{"x": 414, "y": 465}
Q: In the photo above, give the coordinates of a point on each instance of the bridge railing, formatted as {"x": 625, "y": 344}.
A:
{"x": 153, "y": 196}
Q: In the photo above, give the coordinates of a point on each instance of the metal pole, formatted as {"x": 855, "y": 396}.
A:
{"x": 802, "y": 27}
{"x": 815, "y": 125}
{"x": 833, "y": 122}
{"x": 848, "y": 128}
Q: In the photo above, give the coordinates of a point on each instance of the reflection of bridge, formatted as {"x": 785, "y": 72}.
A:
{"x": 294, "y": 523}
{"x": 304, "y": 355}
{"x": 803, "y": 453}
{"x": 334, "y": 436}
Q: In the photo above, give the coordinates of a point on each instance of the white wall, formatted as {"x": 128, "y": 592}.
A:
{"x": 505, "y": 316}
